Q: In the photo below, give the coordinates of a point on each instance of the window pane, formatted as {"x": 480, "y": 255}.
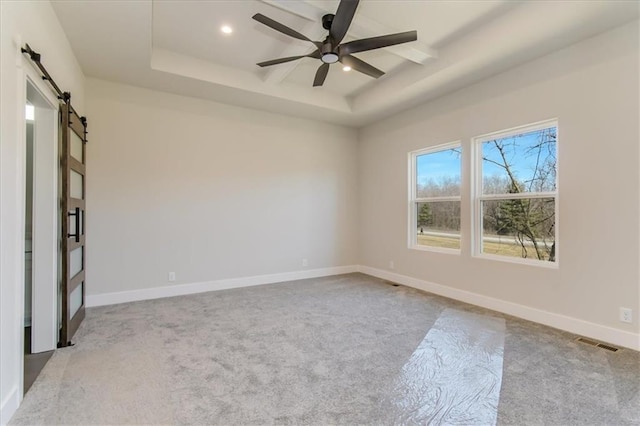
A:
{"x": 438, "y": 224}
{"x": 76, "y": 262}
{"x": 75, "y": 300}
{"x": 76, "y": 189}
{"x": 520, "y": 163}
{"x": 76, "y": 147}
{"x": 438, "y": 173}
{"x": 523, "y": 228}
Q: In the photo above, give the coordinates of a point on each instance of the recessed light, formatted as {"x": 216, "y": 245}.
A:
{"x": 226, "y": 29}
{"x": 346, "y": 68}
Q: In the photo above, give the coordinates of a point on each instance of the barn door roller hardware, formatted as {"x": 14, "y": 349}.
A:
{"x": 63, "y": 96}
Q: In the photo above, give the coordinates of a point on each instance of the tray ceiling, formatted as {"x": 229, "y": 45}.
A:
{"x": 177, "y": 46}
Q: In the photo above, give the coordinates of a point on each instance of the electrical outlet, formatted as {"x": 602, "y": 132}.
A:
{"x": 392, "y": 264}
{"x": 626, "y": 315}
{"x": 305, "y": 262}
{"x": 172, "y": 277}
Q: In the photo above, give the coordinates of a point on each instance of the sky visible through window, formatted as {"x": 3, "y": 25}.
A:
{"x": 437, "y": 166}
{"x": 522, "y": 154}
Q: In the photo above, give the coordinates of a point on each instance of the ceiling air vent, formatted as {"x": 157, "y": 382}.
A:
{"x": 596, "y": 344}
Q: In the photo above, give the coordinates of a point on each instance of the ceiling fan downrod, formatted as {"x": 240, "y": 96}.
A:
{"x": 327, "y": 20}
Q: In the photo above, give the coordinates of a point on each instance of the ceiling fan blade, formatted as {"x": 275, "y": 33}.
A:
{"x": 321, "y": 74}
{"x": 282, "y": 28}
{"x": 377, "y": 42}
{"x": 361, "y": 66}
{"x": 342, "y": 20}
{"x": 278, "y": 61}
{"x": 315, "y": 54}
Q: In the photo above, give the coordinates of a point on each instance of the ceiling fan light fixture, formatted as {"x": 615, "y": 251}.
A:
{"x": 346, "y": 68}
{"x": 330, "y": 58}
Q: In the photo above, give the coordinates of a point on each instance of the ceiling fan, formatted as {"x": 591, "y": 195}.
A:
{"x": 331, "y": 50}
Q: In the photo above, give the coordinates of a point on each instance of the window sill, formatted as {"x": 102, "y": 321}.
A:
{"x": 435, "y": 249}
{"x": 519, "y": 261}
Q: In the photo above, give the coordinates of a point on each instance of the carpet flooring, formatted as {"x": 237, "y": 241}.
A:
{"x": 319, "y": 351}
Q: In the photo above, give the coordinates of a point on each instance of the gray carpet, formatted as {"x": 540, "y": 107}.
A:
{"x": 319, "y": 351}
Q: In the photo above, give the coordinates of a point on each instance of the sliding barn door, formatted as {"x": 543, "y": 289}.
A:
{"x": 73, "y": 191}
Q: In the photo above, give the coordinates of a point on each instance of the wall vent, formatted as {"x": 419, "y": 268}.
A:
{"x": 596, "y": 344}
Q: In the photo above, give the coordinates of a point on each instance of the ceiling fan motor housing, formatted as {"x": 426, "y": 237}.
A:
{"x": 329, "y": 56}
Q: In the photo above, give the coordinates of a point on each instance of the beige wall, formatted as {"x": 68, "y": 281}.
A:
{"x": 211, "y": 191}
{"x": 592, "y": 89}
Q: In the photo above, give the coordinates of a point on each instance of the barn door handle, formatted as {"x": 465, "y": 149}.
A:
{"x": 77, "y": 217}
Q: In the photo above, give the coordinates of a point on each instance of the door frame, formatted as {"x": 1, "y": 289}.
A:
{"x": 45, "y": 269}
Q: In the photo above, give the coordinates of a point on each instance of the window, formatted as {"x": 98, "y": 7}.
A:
{"x": 516, "y": 194}
{"x": 435, "y": 198}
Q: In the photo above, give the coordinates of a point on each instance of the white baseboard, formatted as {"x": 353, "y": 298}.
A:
{"x": 201, "y": 287}
{"x": 562, "y": 322}
{"x": 9, "y": 406}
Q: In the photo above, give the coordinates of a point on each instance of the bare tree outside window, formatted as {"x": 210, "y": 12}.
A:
{"x": 518, "y": 195}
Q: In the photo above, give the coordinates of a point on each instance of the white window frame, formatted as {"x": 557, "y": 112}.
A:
{"x": 479, "y": 197}
{"x": 414, "y": 200}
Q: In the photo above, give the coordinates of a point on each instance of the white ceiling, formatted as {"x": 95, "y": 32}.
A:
{"x": 177, "y": 46}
